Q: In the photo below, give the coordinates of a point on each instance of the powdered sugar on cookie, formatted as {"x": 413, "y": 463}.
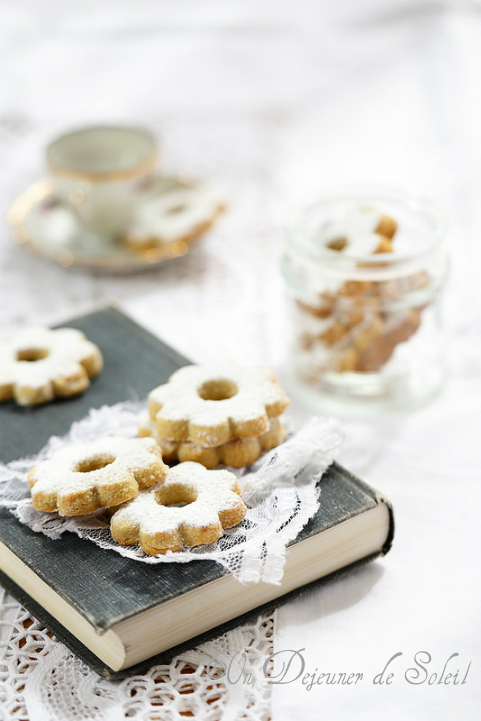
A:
{"x": 358, "y": 228}
{"x": 212, "y": 503}
{"x": 38, "y": 364}
{"x": 211, "y": 405}
{"x": 82, "y": 478}
{"x": 177, "y": 214}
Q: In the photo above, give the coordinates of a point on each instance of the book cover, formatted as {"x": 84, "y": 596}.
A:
{"x": 104, "y": 587}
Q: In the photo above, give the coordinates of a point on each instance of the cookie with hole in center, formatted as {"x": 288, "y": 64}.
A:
{"x": 39, "y": 364}
{"x": 191, "y": 507}
{"x": 83, "y": 478}
{"x": 178, "y": 215}
{"x": 210, "y": 405}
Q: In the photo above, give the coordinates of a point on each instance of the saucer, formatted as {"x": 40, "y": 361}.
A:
{"x": 48, "y": 228}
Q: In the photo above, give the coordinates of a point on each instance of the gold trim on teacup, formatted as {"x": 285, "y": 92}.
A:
{"x": 146, "y": 166}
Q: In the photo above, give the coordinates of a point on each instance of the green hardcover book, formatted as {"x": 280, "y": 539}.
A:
{"x": 116, "y": 613}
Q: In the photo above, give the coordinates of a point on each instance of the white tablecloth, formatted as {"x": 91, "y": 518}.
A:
{"x": 423, "y": 598}
{"x": 278, "y": 103}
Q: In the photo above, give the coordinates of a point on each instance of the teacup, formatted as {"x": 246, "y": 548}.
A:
{"x": 98, "y": 172}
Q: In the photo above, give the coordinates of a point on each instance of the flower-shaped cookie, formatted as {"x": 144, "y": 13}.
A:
{"x": 179, "y": 214}
{"x": 212, "y": 405}
{"x": 38, "y": 364}
{"x": 237, "y": 453}
{"x": 361, "y": 231}
{"x": 191, "y": 507}
{"x": 83, "y": 478}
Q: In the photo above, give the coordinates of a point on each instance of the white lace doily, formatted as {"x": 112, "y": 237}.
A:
{"x": 40, "y": 679}
{"x": 279, "y": 490}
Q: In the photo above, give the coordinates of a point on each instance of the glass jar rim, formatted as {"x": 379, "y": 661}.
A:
{"x": 332, "y": 258}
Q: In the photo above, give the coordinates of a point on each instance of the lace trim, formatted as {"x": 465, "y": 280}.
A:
{"x": 40, "y": 679}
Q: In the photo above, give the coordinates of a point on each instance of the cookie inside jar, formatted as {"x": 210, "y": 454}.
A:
{"x": 364, "y": 276}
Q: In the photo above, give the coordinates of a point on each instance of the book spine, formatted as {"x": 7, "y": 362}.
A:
{"x": 378, "y": 497}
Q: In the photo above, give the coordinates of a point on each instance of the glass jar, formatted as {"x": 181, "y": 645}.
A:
{"x": 365, "y": 275}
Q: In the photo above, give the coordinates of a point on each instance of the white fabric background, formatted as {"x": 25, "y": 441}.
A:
{"x": 425, "y": 596}
{"x": 279, "y": 102}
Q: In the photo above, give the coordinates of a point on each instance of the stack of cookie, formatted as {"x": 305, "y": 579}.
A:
{"x": 356, "y": 326}
{"x": 212, "y": 415}
{"x": 216, "y": 414}
{"x": 208, "y": 414}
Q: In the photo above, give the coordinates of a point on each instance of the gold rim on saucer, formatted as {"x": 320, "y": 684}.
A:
{"x": 116, "y": 255}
